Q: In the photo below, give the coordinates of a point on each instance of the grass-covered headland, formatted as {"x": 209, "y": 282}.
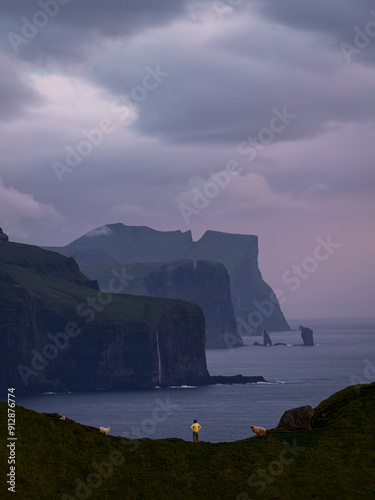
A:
{"x": 57, "y": 459}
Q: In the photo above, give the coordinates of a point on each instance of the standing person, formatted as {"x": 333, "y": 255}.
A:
{"x": 195, "y": 428}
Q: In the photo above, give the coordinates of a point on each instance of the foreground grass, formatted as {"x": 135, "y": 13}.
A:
{"x": 336, "y": 459}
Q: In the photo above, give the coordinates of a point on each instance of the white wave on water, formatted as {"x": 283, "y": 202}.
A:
{"x": 271, "y": 382}
{"x": 285, "y": 345}
{"x": 56, "y": 393}
{"x": 183, "y": 387}
{"x": 267, "y": 382}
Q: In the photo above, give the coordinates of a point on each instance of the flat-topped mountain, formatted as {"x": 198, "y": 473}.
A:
{"x": 255, "y": 305}
{"x": 128, "y": 244}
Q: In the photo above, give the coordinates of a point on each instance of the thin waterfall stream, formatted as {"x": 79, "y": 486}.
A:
{"x": 159, "y": 359}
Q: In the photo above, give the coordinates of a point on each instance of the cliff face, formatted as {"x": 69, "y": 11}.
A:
{"x": 17, "y": 331}
{"x": 134, "y": 354}
{"x": 206, "y": 284}
{"x": 57, "y": 331}
{"x": 255, "y": 305}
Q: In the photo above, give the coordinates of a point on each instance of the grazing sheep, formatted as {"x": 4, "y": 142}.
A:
{"x": 104, "y": 430}
{"x": 62, "y": 418}
{"x": 259, "y": 431}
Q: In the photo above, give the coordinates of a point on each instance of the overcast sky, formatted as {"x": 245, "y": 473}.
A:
{"x": 244, "y": 116}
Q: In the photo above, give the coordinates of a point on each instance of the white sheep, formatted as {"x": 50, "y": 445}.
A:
{"x": 259, "y": 431}
{"x": 104, "y": 430}
{"x": 62, "y": 418}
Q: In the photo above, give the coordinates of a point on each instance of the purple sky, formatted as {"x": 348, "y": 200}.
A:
{"x": 273, "y": 99}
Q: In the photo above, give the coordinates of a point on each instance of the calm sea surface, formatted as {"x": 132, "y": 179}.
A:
{"x": 344, "y": 355}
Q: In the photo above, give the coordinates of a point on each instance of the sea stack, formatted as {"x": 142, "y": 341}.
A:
{"x": 3, "y": 236}
{"x": 307, "y": 336}
{"x": 266, "y": 339}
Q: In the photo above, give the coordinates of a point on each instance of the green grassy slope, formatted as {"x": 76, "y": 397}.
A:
{"x": 334, "y": 460}
{"x": 35, "y": 260}
{"x": 58, "y": 282}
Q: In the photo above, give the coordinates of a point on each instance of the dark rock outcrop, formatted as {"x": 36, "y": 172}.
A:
{"x": 297, "y": 418}
{"x": 255, "y": 304}
{"x": 58, "y": 332}
{"x": 307, "y": 336}
{"x": 3, "y": 236}
{"x": 266, "y": 339}
{"x": 206, "y": 284}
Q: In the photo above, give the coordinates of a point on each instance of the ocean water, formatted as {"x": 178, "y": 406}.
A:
{"x": 296, "y": 375}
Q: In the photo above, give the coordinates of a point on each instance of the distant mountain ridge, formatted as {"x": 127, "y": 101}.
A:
{"x": 128, "y": 244}
{"x": 254, "y": 302}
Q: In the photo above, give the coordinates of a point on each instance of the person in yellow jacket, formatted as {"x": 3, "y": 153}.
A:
{"x": 195, "y": 428}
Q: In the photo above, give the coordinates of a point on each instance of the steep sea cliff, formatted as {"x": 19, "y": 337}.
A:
{"x": 204, "y": 283}
{"x": 59, "y": 332}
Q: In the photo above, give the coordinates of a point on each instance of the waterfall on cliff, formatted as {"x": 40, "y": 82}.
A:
{"x": 159, "y": 360}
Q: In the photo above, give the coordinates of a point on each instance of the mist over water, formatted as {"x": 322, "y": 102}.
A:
{"x": 344, "y": 355}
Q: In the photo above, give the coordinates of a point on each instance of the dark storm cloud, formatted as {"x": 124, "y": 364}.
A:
{"x": 336, "y": 16}
{"x": 73, "y": 30}
{"x": 227, "y": 89}
{"x": 16, "y": 94}
{"x": 337, "y": 19}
